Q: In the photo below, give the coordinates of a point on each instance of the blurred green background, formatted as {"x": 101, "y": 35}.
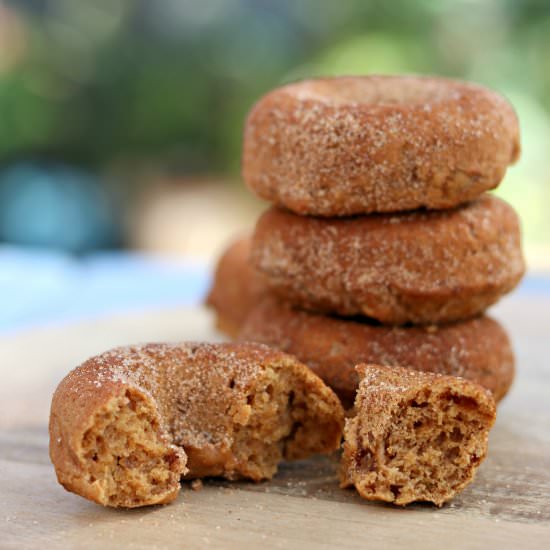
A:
{"x": 121, "y": 121}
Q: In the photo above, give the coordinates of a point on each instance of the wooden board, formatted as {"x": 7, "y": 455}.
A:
{"x": 508, "y": 505}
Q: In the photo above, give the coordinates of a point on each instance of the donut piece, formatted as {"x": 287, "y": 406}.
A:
{"x": 236, "y": 288}
{"x": 477, "y": 349}
{"x": 415, "y": 436}
{"x": 357, "y": 145}
{"x": 419, "y": 267}
{"x": 127, "y": 424}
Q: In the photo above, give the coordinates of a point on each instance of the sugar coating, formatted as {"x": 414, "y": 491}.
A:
{"x": 477, "y": 349}
{"x": 420, "y": 267}
{"x": 182, "y": 378}
{"x": 352, "y": 145}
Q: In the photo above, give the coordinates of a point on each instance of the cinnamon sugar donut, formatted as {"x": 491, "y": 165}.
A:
{"x": 236, "y": 288}
{"x": 419, "y": 267}
{"x": 356, "y": 145}
{"x": 415, "y": 436}
{"x": 127, "y": 424}
{"x": 477, "y": 349}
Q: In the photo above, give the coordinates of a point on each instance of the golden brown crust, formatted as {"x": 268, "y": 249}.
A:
{"x": 236, "y": 288}
{"x": 420, "y": 267}
{"x": 356, "y": 145}
{"x": 477, "y": 349}
{"x": 414, "y": 435}
{"x": 207, "y": 398}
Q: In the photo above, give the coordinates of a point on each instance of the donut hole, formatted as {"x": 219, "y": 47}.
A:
{"x": 428, "y": 452}
{"x": 125, "y": 455}
{"x": 286, "y": 421}
{"x": 377, "y": 91}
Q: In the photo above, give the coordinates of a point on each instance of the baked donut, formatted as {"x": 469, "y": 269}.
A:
{"x": 357, "y": 145}
{"x": 127, "y": 424}
{"x": 415, "y": 436}
{"x": 419, "y": 267}
{"x": 477, "y": 349}
{"x": 236, "y": 288}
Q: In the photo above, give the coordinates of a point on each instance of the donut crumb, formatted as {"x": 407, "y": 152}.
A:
{"x": 284, "y": 421}
{"x": 197, "y": 485}
{"x": 126, "y": 456}
{"x": 415, "y": 436}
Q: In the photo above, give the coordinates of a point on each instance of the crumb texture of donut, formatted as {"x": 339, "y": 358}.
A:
{"x": 358, "y": 145}
{"x": 126, "y": 457}
{"x": 263, "y": 406}
{"x": 415, "y": 436}
{"x": 128, "y": 424}
{"x": 280, "y": 419}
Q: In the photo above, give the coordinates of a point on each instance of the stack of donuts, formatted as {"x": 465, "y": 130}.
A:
{"x": 382, "y": 245}
{"x": 381, "y": 251}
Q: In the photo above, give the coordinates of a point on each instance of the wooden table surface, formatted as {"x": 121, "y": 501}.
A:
{"x": 507, "y": 506}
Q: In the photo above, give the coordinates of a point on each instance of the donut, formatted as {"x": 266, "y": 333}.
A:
{"x": 419, "y": 267}
{"x": 477, "y": 349}
{"x": 357, "y": 145}
{"x": 236, "y": 288}
{"x": 415, "y": 436}
{"x": 127, "y": 424}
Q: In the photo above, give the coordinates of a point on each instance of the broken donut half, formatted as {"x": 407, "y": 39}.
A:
{"x": 414, "y": 436}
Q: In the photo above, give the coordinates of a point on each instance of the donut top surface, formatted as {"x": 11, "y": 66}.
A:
{"x": 380, "y": 91}
{"x": 355, "y": 145}
{"x": 163, "y": 370}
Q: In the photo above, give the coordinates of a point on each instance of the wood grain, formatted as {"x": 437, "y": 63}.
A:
{"x": 508, "y": 505}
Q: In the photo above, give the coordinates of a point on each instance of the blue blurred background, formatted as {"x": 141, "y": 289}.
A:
{"x": 121, "y": 123}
